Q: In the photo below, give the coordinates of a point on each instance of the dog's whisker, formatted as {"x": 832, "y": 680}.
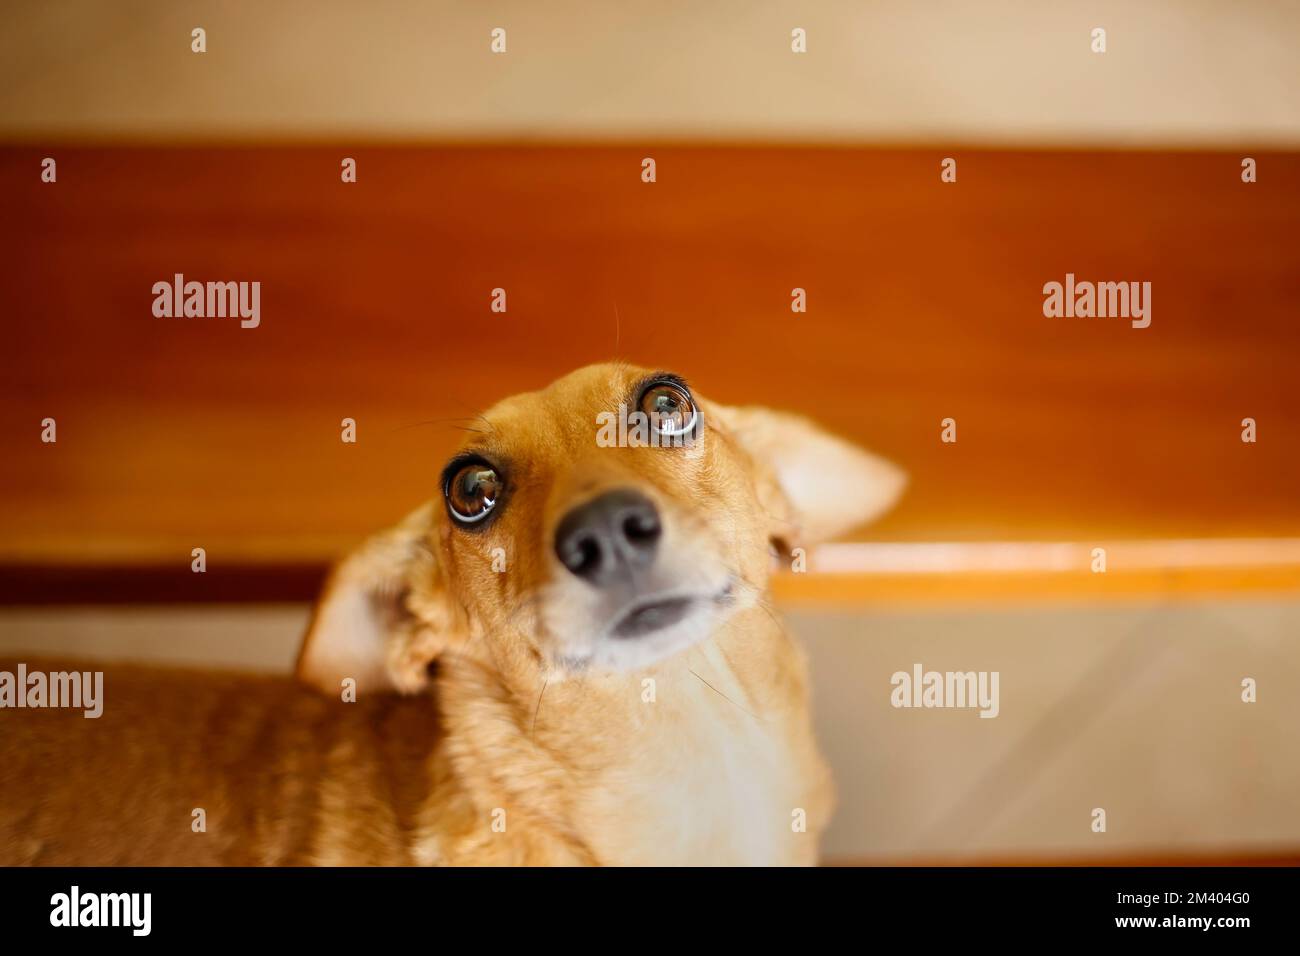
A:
{"x": 476, "y": 414}
{"x": 722, "y": 695}
{"x": 538, "y": 709}
{"x": 759, "y": 599}
{"x": 432, "y": 422}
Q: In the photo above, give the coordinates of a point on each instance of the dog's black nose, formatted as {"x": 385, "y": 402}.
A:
{"x": 609, "y": 537}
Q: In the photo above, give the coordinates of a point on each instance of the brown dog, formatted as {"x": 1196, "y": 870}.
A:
{"x": 590, "y": 671}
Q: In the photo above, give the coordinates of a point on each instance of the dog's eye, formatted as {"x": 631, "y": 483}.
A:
{"x": 669, "y": 408}
{"x": 472, "y": 491}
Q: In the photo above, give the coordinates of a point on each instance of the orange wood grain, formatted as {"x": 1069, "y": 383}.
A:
{"x": 924, "y": 299}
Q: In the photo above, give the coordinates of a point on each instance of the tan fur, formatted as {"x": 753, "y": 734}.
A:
{"x": 284, "y": 774}
{"x": 577, "y": 765}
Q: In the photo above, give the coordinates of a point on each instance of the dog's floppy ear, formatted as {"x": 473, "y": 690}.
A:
{"x": 815, "y": 486}
{"x": 383, "y": 616}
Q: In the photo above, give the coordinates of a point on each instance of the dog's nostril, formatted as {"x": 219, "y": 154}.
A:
{"x": 576, "y": 551}
{"x": 641, "y": 527}
{"x": 584, "y": 556}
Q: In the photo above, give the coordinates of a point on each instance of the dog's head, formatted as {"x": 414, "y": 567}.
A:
{"x": 606, "y": 522}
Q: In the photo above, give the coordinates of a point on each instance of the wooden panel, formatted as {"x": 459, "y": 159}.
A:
{"x": 925, "y": 302}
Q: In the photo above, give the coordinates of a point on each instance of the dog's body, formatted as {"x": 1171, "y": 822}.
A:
{"x": 585, "y": 773}
{"x": 616, "y": 691}
{"x": 278, "y": 770}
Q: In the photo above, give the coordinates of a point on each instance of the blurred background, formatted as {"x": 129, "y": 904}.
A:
{"x": 775, "y": 170}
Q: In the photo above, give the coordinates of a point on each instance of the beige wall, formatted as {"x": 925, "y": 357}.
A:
{"x": 1177, "y": 72}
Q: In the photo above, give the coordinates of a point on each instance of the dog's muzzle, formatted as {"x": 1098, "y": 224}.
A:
{"x": 611, "y": 540}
